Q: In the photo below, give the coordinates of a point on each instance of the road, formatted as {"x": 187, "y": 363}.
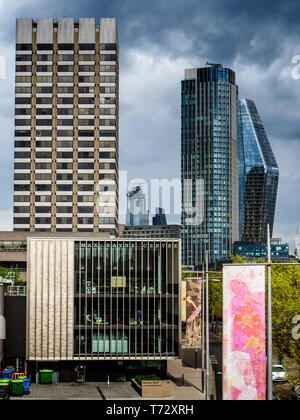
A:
{"x": 192, "y": 358}
{"x": 215, "y": 347}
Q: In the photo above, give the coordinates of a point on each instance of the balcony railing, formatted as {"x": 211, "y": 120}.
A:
{"x": 16, "y": 291}
{"x": 2, "y": 249}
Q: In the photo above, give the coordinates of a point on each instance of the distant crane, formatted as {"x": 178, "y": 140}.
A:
{"x": 214, "y": 64}
{"x": 135, "y": 190}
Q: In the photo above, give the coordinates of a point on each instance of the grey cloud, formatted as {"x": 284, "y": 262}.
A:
{"x": 257, "y": 38}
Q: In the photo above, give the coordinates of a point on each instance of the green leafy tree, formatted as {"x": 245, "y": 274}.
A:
{"x": 5, "y": 273}
{"x": 216, "y": 299}
{"x": 285, "y": 305}
{"x": 184, "y": 273}
{"x": 18, "y": 281}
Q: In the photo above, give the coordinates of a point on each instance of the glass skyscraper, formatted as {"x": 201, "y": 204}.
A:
{"x": 258, "y": 176}
{"x": 160, "y": 217}
{"x": 209, "y": 164}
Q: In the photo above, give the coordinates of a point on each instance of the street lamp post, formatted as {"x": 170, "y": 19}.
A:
{"x": 270, "y": 344}
{"x": 205, "y": 364}
{"x": 207, "y": 329}
{"x": 202, "y": 334}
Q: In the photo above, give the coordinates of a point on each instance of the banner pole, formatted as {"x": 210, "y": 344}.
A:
{"x": 270, "y": 340}
{"x": 207, "y": 331}
{"x": 203, "y": 332}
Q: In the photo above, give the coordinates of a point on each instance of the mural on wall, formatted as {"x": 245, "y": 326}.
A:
{"x": 244, "y": 352}
{"x": 193, "y": 312}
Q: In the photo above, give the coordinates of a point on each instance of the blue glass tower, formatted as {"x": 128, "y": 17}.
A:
{"x": 209, "y": 163}
{"x": 258, "y": 176}
{"x": 160, "y": 218}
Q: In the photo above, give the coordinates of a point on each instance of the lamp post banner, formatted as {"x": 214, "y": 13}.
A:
{"x": 244, "y": 333}
{"x": 193, "y": 312}
{"x": 183, "y": 301}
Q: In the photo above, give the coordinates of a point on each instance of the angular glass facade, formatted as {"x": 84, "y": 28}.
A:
{"x": 258, "y": 176}
{"x": 209, "y": 164}
{"x": 126, "y": 299}
{"x": 253, "y": 250}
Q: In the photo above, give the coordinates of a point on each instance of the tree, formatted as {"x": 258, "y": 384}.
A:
{"x": 5, "y": 272}
{"x": 285, "y": 305}
{"x": 216, "y": 299}
{"x": 18, "y": 280}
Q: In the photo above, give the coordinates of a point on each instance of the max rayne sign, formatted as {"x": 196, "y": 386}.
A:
{"x": 144, "y": 245}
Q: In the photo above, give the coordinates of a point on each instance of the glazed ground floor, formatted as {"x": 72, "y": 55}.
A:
{"x": 98, "y": 371}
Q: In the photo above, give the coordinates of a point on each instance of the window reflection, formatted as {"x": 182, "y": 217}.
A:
{"x": 126, "y": 298}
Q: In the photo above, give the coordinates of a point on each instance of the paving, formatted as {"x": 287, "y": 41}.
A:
{"x": 119, "y": 391}
{"x": 100, "y": 391}
{"x": 189, "y": 389}
{"x": 115, "y": 391}
{"x": 191, "y": 378}
{"x": 62, "y": 391}
{"x": 124, "y": 391}
{"x": 216, "y": 359}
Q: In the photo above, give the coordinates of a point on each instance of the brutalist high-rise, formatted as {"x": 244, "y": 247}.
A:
{"x": 66, "y": 126}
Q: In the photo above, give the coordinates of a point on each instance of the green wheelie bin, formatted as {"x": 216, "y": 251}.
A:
{"x": 46, "y": 376}
{"x": 17, "y": 387}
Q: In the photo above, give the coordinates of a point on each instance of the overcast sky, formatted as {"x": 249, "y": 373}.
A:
{"x": 158, "y": 40}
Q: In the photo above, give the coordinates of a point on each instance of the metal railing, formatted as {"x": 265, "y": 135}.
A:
{"x": 13, "y": 249}
{"x": 16, "y": 291}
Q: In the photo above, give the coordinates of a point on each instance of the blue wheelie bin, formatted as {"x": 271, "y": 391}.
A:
{"x": 6, "y": 374}
{"x": 26, "y": 384}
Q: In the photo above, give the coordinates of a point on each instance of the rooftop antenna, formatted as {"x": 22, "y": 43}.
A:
{"x": 214, "y": 64}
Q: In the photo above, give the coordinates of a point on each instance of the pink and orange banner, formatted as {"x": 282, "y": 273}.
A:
{"x": 244, "y": 335}
{"x": 193, "y": 312}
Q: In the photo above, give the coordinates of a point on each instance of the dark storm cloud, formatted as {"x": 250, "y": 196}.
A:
{"x": 220, "y": 29}
{"x": 158, "y": 39}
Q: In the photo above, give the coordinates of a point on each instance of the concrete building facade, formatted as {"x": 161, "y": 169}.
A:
{"x": 108, "y": 306}
{"x": 103, "y": 299}
{"x": 66, "y": 126}
{"x": 150, "y": 231}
